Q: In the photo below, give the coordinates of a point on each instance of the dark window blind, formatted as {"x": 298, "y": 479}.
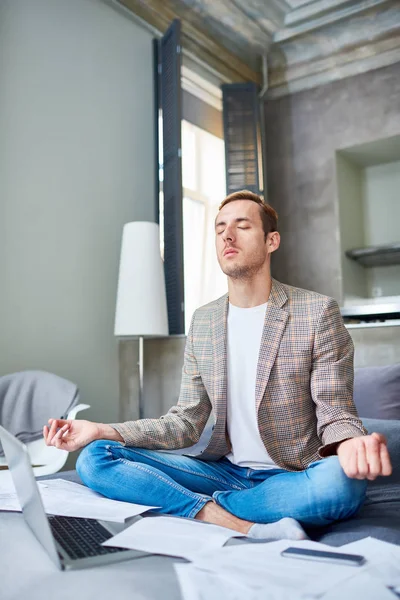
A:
{"x": 241, "y": 116}
{"x": 171, "y": 100}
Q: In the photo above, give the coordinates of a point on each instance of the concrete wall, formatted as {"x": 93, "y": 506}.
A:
{"x": 76, "y": 163}
{"x": 351, "y": 225}
{"x": 303, "y": 131}
{"x": 376, "y": 344}
{"x": 163, "y": 362}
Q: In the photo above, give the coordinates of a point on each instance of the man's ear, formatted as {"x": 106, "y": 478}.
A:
{"x": 273, "y": 241}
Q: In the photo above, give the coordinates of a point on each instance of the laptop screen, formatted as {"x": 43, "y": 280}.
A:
{"x": 20, "y": 467}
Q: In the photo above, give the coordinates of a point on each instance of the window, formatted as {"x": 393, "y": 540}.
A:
{"x": 203, "y": 176}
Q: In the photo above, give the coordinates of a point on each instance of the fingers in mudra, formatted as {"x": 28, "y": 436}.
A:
{"x": 372, "y": 447}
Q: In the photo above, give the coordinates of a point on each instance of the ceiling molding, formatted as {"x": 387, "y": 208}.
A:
{"x": 196, "y": 42}
{"x": 340, "y": 71}
{"x": 367, "y": 40}
{"x": 320, "y": 14}
{"x": 305, "y": 43}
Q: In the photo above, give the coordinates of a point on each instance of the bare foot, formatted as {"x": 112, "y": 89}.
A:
{"x": 212, "y": 513}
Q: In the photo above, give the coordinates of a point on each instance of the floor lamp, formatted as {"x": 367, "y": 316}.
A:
{"x": 141, "y": 309}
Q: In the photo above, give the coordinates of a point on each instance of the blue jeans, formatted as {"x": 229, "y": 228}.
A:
{"x": 181, "y": 485}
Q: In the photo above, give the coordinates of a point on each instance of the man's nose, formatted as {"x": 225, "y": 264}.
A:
{"x": 228, "y": 235}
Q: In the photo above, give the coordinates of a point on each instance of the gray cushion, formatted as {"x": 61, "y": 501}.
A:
{"x": 377, "y": 392}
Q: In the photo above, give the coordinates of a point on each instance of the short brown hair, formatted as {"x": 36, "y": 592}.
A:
{"x": 269, "y": 216}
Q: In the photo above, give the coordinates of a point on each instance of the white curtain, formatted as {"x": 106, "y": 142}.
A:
{"x": 204, "y": 281}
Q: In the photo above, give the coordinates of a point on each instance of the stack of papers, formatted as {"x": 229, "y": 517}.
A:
{"x": 259, "y": 572}
{"x": 69, "y": 499}
{"x": 262, "y": 572}
{"x": 172, "y": 536}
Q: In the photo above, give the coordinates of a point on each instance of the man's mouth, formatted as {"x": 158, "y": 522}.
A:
{"x": 230, "y": 251}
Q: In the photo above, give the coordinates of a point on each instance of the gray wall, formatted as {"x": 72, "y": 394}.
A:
{"x": 303, "y": 131}
{"x": 76, "y": 163}
{"x": 163, "y": 362}
{"x": 351, "y": 225}
{"x": 376, "y": 345}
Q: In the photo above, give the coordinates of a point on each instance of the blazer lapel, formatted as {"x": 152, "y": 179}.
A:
{"x": 274, "y": 326}
{"x": 218, "y": 337}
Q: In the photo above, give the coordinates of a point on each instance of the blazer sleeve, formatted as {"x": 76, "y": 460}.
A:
{"x": 183, "y": 425}
{"x": 332, "y": 377}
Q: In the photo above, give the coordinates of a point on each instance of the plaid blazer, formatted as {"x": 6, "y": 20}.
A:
{"x": 304, "y": 383}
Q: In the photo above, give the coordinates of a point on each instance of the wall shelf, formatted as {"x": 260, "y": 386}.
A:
{"x": 376, "y": 256}
{"x": 371, "y": 312}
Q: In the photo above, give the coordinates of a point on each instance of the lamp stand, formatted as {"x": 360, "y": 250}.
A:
{"x": 141, "y": 370}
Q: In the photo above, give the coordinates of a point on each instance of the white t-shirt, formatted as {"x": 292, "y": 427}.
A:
{"x": 244, "y": 331}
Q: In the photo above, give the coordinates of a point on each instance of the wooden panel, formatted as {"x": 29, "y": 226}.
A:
{"x": 196, "y": 41}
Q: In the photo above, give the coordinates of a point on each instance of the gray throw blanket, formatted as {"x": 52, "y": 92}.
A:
{"x": 28, "y": 399}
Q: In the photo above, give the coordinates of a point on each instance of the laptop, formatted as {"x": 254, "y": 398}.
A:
{"x": 70, "y": 542}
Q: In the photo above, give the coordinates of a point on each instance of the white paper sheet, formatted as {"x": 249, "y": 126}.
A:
{"x": 196, "y": 584}
{"x": 372, "y": 548}
{"x": 361, "y": 586}
{"x": 172, "y": 536}
{"x": 6, "y": 479}
{"x": 383, "y": 559}
{"x": 70, "y": 499}
{"x": 8, "y": 497}
{"x": 261, "y": 573}
{"x": 261, "y": 567}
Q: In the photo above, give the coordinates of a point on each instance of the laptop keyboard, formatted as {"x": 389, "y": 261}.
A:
{"x": 81, "y": 538}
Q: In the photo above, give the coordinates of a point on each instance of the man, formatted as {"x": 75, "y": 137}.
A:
{"x": 273, "y": 364}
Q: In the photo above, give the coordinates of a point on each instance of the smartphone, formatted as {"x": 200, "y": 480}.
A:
{"x": 355, "y": 560}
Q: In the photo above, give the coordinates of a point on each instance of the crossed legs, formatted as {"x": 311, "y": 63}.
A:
{"x": 220, "y": 492}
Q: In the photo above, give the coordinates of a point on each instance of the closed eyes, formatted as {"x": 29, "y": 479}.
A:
{"x": 222, "y": 230}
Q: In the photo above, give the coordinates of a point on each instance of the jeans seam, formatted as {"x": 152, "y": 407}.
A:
{"x": 216, "y": 494}
{"x": 202, "y": 502}
{"x": 181, "y": 489}
{"x": 206, "y": 476}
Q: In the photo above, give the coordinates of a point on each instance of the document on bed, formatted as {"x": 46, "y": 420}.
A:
{"x": 68, "y": 499}
{"x": 259, "y": 572}
{"x": 260, "y": 567}
{"x": 383, "y": 561}
{"x": 196, "y": 584}
{"x": 8, "y": 497}
{"x": 173, "y": 536}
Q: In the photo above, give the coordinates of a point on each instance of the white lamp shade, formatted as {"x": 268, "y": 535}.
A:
{"x": 141, "y": 299}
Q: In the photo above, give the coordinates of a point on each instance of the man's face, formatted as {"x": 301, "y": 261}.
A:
{"x": 239, "y": 239}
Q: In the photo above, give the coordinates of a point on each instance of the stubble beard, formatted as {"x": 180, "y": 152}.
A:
{"x": 243, "y": 272}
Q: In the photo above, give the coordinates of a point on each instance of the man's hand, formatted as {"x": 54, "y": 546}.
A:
{"x": 365, "y": 457}
{"x": 74, "y": 434}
